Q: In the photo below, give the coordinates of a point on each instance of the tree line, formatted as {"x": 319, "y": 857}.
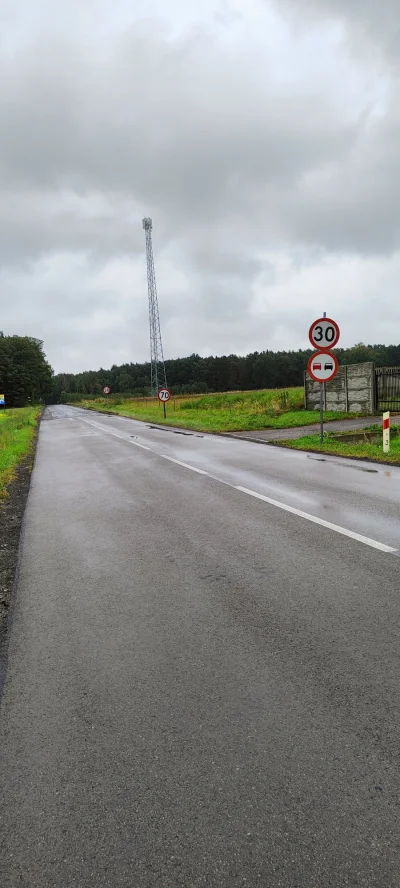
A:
{"x": 194, "y": 374}
{"x": 25, "y": 375}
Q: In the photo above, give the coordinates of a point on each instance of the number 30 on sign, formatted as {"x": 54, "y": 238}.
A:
{"x": 324, "y": 334}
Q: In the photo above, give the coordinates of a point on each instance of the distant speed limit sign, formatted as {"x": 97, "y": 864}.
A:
{"x": 324, "y": 333}
{"x": 164, "y": 395}
{"x": 323, "y": 366}
{"x": 106, "y": 390}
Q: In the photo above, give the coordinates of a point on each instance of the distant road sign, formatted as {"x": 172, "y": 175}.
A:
{"x": 2, "y": 401}
{"x": 324, "y": 333}
{"x": 323, "y": 366}
{"x": 106, "y": 390}
{"x": 164, "y": 395}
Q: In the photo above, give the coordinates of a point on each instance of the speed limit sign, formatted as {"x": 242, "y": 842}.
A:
{"x": 106, "y": 390}
{"x": 324, "y": 333}
{"x": 164, "y": 395}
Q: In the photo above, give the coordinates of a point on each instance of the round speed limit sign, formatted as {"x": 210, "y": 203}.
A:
{"x": 164, "y": 395}
{"x": 324, "y": 333}
{"x": 106, "y": 390}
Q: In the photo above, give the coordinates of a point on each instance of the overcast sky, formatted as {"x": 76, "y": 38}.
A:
{"x": 262, "y": 137}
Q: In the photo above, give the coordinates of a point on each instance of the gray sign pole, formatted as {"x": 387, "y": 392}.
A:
{"x": 321, "y": 405}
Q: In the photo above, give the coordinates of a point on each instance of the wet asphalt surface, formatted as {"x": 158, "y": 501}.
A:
{"x": 202, "y": 688}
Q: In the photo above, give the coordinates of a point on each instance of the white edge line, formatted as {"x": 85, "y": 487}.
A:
{"x": 336, "y": 527}
{"x": 143, "y": 446}
{"x": 185, "y": 465}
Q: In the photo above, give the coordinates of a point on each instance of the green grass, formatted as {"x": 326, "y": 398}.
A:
{"x": 361, "y": 449}
{"x": 17, "y": 428}
{"x": 224, "y": 412}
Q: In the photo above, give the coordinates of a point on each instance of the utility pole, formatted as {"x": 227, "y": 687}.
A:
{"x": 158, "y": 377}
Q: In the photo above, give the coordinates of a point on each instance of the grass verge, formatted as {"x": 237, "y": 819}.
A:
{"x": 224, "y": 412}
{"x": 17, "y": 430}
{"x": 362, "y": 449}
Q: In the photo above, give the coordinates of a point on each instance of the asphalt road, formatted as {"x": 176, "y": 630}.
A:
{"x": 203, "y": 685}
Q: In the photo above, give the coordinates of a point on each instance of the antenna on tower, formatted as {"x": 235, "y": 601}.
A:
{"x": 158, "y": 377}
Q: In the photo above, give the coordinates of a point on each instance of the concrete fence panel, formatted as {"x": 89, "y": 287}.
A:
{"x": 352, "y": 390}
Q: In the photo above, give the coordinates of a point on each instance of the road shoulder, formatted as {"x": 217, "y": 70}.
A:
{"x": 12, "y": 511}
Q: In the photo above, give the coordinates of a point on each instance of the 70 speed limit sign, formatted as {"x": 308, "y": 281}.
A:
{"x": 324, "y": 334}
{"x": 164, "y": 395}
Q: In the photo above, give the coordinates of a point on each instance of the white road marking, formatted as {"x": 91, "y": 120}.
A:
{"x": 185, "y": 465}
{"x": 116, "y": 435}
{"x": 358, "y": 537}
{"x": 96, "y": 425}
{"x": 336, "y": 527}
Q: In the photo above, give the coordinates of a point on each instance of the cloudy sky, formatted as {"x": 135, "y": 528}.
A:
{"x": 262, "y": 136}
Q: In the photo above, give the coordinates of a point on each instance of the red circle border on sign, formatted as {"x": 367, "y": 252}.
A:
{"x": 318, "y": 354}
{"x": 164, "y": 389}
{"x": 108, "y": 392}
{"x": 329, "y": 321}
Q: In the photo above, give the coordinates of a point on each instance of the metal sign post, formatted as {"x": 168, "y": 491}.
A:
{"x": 321, "y": 412}
{"x": 321, "y": 408}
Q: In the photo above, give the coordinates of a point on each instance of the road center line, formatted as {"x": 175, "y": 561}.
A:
{"x": 336, "y": 527}
{"x": 358, "y": 537}
{"x": 185, "y": 465}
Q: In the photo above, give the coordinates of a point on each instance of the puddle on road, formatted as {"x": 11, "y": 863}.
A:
{"x": 345, "y": 465}
{"x": 175, "y": 431}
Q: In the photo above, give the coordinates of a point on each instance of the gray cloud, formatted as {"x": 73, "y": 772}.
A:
{"x": 34, "y": 223}
{"x": 157, "y": 115}
{"x": 258, "y": 153}
{"x": 370, "y": 20}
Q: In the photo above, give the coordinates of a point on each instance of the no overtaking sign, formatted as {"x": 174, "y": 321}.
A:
{"x": 323, "y": 366}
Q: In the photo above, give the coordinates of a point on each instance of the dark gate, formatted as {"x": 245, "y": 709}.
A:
{"x": 387, "y": 380}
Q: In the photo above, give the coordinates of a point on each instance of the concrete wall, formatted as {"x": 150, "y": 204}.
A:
{"x": 352, "y": 390}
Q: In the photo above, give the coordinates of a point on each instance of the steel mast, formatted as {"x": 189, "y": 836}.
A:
{"x": 158, "y": 377}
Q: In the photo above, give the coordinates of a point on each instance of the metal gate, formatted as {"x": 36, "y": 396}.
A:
{"x": 387, "y": 382}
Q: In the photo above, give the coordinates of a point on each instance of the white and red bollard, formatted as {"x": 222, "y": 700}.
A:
{"x": 386, "y": 432}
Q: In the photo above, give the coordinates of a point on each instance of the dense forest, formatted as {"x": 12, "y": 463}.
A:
{"x": 25, "y": 375}
{"x": 215, "y": 374}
